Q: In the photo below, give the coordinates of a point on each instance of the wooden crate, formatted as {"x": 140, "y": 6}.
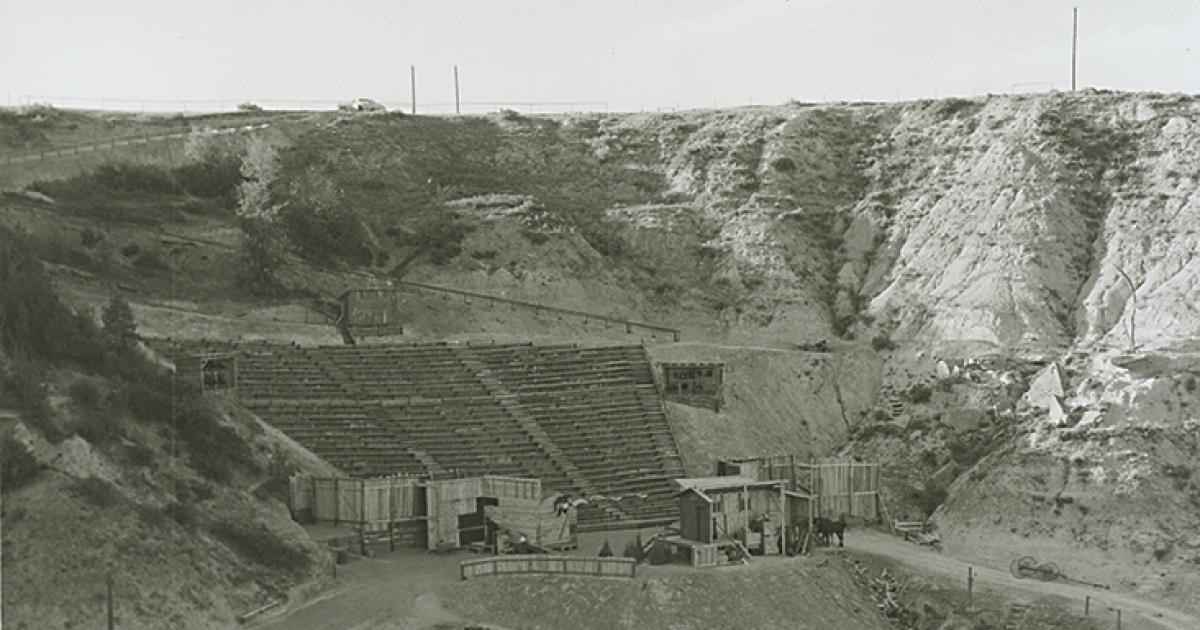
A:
{"x": 707, "y": 556}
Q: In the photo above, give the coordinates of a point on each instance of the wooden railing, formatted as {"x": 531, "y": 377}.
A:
{"x": 559, "y": 565}
{"x": 629, "y": 324}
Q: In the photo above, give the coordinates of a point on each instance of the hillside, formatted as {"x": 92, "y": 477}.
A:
{"x": 947, "y": 251}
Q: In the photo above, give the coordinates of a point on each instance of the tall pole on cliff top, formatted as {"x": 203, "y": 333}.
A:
{"x": 412, "y": 81}
{"x": 1074, "y": 42}
{"x": 457, "y": 108}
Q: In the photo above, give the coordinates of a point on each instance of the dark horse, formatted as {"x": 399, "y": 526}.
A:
{"x": 826, "y": 528}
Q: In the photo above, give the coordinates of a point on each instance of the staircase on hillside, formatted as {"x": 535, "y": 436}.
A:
{"x": 375, "y": 412}
{"x": 508, "y": 401}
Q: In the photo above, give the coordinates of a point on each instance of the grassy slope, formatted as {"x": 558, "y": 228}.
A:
{"x": 183, "y": 551}
{"x": 767, "y": 593}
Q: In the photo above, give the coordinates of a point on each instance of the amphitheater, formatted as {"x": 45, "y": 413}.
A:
{"x": 585, "y": 420}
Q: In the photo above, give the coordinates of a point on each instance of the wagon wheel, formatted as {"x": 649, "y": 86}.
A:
{"x": 1049, "y": 572}
{"x": 1023, "y": 567}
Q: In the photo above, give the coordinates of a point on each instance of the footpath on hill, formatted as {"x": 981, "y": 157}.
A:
{"x": 1137, "y": 613}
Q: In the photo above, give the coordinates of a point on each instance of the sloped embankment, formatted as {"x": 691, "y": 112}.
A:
{"x": 775, "y": 402}
{"x": 797, "y": 593}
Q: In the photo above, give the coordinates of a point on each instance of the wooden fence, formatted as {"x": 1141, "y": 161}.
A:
{"x": 849, "y": 488}
{"x": 560, "y": 565}
{"x": 363, "y": 502}
{"x": 836, "y": 486}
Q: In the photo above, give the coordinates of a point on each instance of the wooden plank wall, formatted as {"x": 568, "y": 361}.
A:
{"x": 562, "y": 565}
{"x": 511, "y": 487}
{"x": 848, "y": 488}
{"x": 364, "y": 502}
{"x": 842, "y": 486}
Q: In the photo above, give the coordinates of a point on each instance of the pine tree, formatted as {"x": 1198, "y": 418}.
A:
{"x": 120, "y": 330}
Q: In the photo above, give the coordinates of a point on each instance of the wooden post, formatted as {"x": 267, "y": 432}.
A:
{"x": 337, "y": 503}
{"x": 784, "y": 518}
{"x": 412, "y": 74}
{"x": 970, "y": 584}
{"x": 1087, "y": 604}
{"x": 111, "y": 617}
{"x": 362, "y": 502}
{"x": 1118, "y": 619}
{"x": 391, "y": 535}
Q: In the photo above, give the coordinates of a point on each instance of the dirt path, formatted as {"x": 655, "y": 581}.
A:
{"x": 392, "y": 590}
{"x": 932, "y": 562}
{"x": 114, "y": 143}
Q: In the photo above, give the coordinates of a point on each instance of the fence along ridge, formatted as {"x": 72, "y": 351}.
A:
{"x": 533, "y": 305}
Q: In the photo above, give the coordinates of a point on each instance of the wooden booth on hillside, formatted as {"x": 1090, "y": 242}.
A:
{"x": 438, "y": 514}
{"x": 213, "y": 372}
{"x": 724, "y": 518}
{"x": 372, "y": 311}
{"x": 696, "y": 384}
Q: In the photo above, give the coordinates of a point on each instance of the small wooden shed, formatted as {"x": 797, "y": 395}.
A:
{"x": 755, "y": 513}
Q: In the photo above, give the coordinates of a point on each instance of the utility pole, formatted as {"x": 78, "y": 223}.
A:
{"x": 457, "y": 108}
{"x": 412, "y": 78}
{"x": 1074, "y": 42}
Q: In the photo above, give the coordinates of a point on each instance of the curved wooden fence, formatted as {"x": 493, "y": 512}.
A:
{"x": 560, "y": 565}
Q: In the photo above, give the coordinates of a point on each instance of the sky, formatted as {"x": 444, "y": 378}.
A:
{"x": 610, "y": 54}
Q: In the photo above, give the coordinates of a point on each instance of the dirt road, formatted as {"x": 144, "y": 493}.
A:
{"x": 113, "y": 143}
{"x": 1136, "y": 612}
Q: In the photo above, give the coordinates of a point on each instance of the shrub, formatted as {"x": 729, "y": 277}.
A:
{"x": 91, "y": 238}
{"x": 325, "y": 237}
{"x": 660, "y": 553}
{"x": 783, "y": 164}
{"x": 151, "y": 516}
{"x": 930, "y": 497}
{"x": 964, "y": 452}
{"x": 882, "y": 342}
{"x": 131, "y": 250}
{"x": 25, "y": 388}
{"x": 249, "y": 107}
{"x": 920, "y": 393}
{"x": 141, "y": 455}
{"x": 261, "y": 545}
{"x": 147, "y": 261}
{"x": 537, "y": 238}
{"x": 18, "y": 466}
{"x": 103, "y": 426}
{"x": 85, "y": 393}
{"x": 438, "y": 237}
{"x": 1180, "y": 471}
{"x": 135, "y": 178}
{"x": 185, "y": 514}
{"x": 34, "y": 323}
{"x": 605, "y": 550}
{"x": 96, "y": 491}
